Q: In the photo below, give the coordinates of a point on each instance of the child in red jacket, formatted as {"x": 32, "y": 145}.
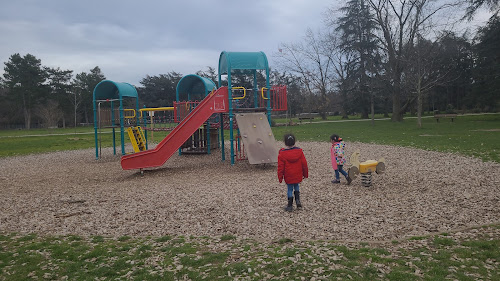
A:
{"x": 292, "y": 166}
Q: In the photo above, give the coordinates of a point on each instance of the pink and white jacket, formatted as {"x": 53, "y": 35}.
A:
{"x": 337, "y": 154}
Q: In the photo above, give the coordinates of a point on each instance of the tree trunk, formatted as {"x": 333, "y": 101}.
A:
{"x": 397, "y": 115}
{"x": 86, "y": 116}
{"x": 344, "y": 113}
{"x": 419, "y": 103}
{"x": 372, "y": 107}
{"x": 27, "y": 118}
{"x": 364, "y": 112}
{"x": 27, "y": 115}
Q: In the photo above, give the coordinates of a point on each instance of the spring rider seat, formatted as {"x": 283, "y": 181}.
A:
{"x": 365, "y": 168}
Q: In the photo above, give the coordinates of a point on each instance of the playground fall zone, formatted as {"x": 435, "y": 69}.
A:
{"x": 421, "y": 192}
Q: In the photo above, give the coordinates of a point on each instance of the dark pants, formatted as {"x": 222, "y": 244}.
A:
{"x": 341, "y": 170}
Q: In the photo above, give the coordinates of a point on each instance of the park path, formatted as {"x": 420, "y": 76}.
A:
{"x": 303, "y": 123}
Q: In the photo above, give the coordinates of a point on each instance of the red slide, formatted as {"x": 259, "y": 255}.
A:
{"x": 215, "y": 102}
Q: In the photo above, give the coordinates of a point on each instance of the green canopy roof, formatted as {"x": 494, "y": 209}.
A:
{"x": 107, "y": 89}
{"x": 242, "y": 60}
{"x": 193, "y": 84}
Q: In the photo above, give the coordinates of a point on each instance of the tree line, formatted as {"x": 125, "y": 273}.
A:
{"x": 381, "y": 56}
{"x": 372, "y": 56}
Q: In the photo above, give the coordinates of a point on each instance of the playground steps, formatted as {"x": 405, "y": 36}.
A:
{"x": 136, "y": 136}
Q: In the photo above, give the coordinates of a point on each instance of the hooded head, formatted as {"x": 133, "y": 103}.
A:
{"x": 335, "y": 138}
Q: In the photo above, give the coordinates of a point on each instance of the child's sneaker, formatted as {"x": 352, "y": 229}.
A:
{"x": 335, "y": 181}
{"x": 349, "y": 180}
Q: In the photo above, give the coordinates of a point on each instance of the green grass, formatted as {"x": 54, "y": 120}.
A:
{"x": 464, "y": 257}
{"x": 474, "y": 135}
{"x": 432, "y": 257}
{"x": 23, "y": 142}
{"x": 471, "y": 135}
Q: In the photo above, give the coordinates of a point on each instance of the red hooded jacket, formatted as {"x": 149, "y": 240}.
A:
{"x": 292, "y": 165}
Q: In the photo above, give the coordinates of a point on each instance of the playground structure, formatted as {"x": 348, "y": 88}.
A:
{"x": 365, "y": 168}
{"x": 109, "y": 92}
{"x": 197, "y": 123}
{"x": 190, "y": 91}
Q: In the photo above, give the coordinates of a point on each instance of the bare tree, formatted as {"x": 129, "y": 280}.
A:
{"x": 75, "y": 98}
{"x": 399, "y": 23}
{"x": 424, "y": 73}
{"x": 312, "y": 61}
{"x": 50, "y": 113}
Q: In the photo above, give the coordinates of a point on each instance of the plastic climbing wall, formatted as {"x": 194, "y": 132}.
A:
{"x": 257, "y": 137}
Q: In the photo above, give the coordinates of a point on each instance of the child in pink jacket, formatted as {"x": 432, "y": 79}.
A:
{"x": 338, "y": 159}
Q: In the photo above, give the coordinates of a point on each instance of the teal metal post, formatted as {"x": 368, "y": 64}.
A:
{"x": 222, "y": 136}
{"x": 122, "y": 124}
{"x": 255, "y": 90}
{"x": 230, "y": 102}
{"x": 95, "y": 131}
{"x": 268, "y": 97}
{"x": 113, "y": 127}
{"x": 223, "y": 151}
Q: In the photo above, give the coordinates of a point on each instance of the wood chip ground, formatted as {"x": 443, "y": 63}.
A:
{"x": 422, "y": 192}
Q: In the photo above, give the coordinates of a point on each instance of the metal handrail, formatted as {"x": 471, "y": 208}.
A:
{"x": 169, "y": 108}
{"x": 262, "y": 90}
{"x": 244, "y": 92}
{"x": 129, "y": 109}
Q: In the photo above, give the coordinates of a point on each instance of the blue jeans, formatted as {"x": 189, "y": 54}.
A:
{"x": 291, "y": 187}
{"x": 339, "y": 169}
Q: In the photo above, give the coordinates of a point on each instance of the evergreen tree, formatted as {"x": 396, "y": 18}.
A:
{"x": 158, "y": 91}
{"x": 454, "y": 60}
{"x": 84, "y": 83}
{"x": 486, "y": 87}
{"x": 210, "y": 73}
{"x": 357, "y": 28}
{"x": 60, "y": 89}
{"x": 25, "y": 78}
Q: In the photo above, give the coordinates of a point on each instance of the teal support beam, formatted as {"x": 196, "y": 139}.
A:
{"x": 122, "y": 124}
{"x": 222, "y": 136}
{"x": 255, "y": 89}
{"x": 113, "y": 125}
{"x": 268, "y": 97}
{"x": 95, "y": 131}
{"x": 221, "y": 122}
{"x": 231, "y": 115}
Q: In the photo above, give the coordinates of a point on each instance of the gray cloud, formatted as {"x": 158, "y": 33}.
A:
{"x": 131, "y": 39}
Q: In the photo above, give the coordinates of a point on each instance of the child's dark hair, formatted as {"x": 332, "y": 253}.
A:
{"x": 335, "y": 138}
{"x": 289, "y": 139}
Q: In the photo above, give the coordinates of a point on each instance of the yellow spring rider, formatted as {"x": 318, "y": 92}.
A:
{"x": 365, "y": 168}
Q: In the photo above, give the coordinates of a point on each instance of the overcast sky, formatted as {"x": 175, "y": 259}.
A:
{"x": 130, "y": 39}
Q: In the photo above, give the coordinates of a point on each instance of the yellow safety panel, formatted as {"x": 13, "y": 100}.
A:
{"x": 136, "y": 136}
